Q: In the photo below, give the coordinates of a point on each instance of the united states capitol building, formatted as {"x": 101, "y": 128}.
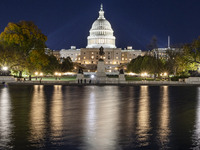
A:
{"x": 100, "y": 34}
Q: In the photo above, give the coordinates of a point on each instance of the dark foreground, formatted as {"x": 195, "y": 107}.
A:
{"x": 99, "y": 117}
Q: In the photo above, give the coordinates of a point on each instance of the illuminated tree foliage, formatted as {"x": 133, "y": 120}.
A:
{"x": 24, "y": 41}
{"x": 146, "y": 63}
{"x": 189, "y": 58}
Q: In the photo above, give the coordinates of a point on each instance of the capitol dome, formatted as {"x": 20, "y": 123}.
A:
{"x": 101, "y": 33}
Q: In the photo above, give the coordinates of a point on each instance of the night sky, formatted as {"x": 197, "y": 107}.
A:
{"x": 134, "y": 22}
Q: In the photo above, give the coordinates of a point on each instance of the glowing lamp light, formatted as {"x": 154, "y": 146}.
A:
{"x": 92, "y": 76}
{"x": 131, "y": 74}
{"x": 55, "y": 73}
{"x": 5, "y": 68}
{"x": 144, "y": 74}
{"x": 41, "y": 74}
{"x": 165, "y": 74}
{"x": 59, "y": 74}
{"x": 36, "y": 73}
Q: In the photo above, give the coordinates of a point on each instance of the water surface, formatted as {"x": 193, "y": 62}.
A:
{"x": 99, "y": 117}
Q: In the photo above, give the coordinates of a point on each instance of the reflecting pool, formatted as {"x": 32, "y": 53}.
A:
{"x": 99, "y": 117}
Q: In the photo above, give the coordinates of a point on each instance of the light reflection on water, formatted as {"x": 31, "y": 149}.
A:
{"x": 5, "y": 118}
{"x": 100, "y": 117}
{"x": 196, "y": 135}
{"x": 164, "y": 129}
{"x": 101, "y": 123}
{"x": 143, "y": 117}
{"x": 38, "y": 116}
{"x": 56, "y": 114}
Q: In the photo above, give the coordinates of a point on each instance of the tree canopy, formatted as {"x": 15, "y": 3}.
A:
{"x": 25, "y": 42}
{"x": 146, "y": 63}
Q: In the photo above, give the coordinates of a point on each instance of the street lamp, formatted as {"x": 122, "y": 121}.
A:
{"x": 164, "y": 75}
{"x": 59, "y": 74}
{"x": 4, "y": 71}
{"x": 41, "y": 74}
{"x": 5, "y": 68}
{"x": 92, "y": 76}
{"x": 144, "y": 75}
{"x": 56, "y": 74}
{"x": 36, "y": 74}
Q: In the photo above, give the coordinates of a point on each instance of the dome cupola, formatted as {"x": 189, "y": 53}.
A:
{"x": 101, "y": 33}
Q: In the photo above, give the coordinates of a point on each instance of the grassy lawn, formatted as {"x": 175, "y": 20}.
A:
{"x": 63, "y": 78}
{"x": 131, "y": 78}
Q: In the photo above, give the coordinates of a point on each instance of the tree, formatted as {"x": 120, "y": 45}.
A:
{"x": 146, "y": 63}
{"x": 22, "y": 38}
{"x": 36, "y": 61}
{"x": 67, "y": 64}
{"x": 53, "y": 65}
{"x": 189, "y": 58}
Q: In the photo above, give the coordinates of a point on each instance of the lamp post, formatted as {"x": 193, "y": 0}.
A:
{"x": 56, "y": 74}
{"x": 5, "y": 69}
{"x": 144, "y": 75}
{"x": 165, "y": 75}
{"x": 41, "y": 74}
{"x": 36, "y": 74}
{"x": 59, "y": 74}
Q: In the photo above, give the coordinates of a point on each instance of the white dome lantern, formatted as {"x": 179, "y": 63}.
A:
{"x": 101, "y": 33}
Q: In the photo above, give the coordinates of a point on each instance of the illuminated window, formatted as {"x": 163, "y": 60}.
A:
{"x": 92, "y": 57}
{"x": 122, "y": 58}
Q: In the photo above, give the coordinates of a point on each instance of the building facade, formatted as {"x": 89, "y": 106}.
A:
{"x": 101, "y": 34}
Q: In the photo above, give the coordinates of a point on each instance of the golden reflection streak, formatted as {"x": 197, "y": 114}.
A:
{"x": 37, "y": 114}
{"x": 5, "y": 116}
{"x": 164, "y": 130}
{"x": 57, "y": 113}
{"x": 102, "y": 120}
{"x": 196, "y": 136}
{"x": 143, "y": 116}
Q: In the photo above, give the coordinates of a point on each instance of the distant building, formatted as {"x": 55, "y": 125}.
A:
{"x": 101, "y": 34}
{"x": 161, "y": 53}
{"x": 73, "y": 53}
